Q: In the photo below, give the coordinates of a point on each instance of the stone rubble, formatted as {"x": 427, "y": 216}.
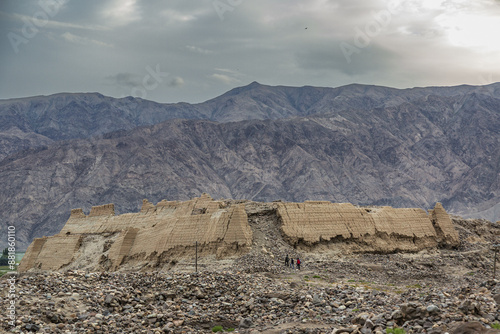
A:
{"x": 432, "y": 291}
{"x": 159, "y": 302}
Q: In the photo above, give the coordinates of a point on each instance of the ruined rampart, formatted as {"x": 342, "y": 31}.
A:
{"x": 374, "y": 229}
{"x": 161, "y": 234}
{"x": 152, "y": 237}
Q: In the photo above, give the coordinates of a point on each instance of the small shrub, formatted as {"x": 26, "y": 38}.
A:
{"x": 396, "y": 330}
{"x": 495, "y": 325}
{"x": 230, "y": 329}
{"x": 355, "y": 310}
{"x": 217, "y": 329}
{"x": 306, "y": 277}
{"x": 316, "y": 276}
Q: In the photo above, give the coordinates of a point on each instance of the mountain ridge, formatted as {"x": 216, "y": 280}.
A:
{"x": 403, "y": 151}
{"x": 82, "y": 116}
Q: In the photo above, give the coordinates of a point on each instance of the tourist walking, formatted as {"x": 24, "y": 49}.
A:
{"x": 298, "y": 263}
{"x": 291, "y": 263}
{"x": 287, "y": 260}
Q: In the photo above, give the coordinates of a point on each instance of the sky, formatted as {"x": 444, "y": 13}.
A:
{"x": 194, "y": 50}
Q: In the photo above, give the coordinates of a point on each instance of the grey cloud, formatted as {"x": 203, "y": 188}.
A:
{"x": 176, "y": 82}
{"x": 266, "y": 41}
{"x": 198, "y": 50}
{"x": 224, "y": 78}
{"x": 370, "y": 59}
{"x": 125, "y": 80}
{"x": 83, "y": 40}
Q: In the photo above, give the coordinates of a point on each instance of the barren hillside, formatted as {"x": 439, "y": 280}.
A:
{"x": 365, "y": 145}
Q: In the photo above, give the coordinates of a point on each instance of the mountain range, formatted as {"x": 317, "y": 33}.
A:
{"x": 357, "y": 143}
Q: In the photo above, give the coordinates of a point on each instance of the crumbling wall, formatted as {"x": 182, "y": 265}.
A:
{"x": 169, "y": 228}
{"x": 31, "y": 254}
{"x": 120, "y": 249}
{"x": 102, "y": 210}
{"x": 378, "y": 229}
{"x": 50, "y": 253}
{"x": 447, "y": 235}
{"x": 168, "y": 231}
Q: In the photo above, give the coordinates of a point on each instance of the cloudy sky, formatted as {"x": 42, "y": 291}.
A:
{"x": 193, "y": 50}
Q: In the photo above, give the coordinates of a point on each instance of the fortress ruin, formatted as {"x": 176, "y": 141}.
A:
{"x": 158, "y": 235}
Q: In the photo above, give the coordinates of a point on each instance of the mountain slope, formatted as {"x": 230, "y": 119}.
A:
{"x": 41, "y": 120}
{"x": 434, "y": 148}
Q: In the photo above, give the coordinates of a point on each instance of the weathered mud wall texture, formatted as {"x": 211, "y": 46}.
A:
{"x": 444, "y": 227}
{"x": 168, "y": 231}
{"x": 55, "y": 251}
{"x": 154, "y": 236}
{"x": 377, "y": 229}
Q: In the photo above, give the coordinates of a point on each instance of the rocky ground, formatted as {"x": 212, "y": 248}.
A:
{"x": 434, "y": 291}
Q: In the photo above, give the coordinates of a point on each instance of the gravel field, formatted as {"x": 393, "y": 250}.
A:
{"x": 433, "y": 291}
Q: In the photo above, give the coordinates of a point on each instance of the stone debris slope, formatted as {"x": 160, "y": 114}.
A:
{"x": 153, "y": 302}
{"x": 435, "y": 290}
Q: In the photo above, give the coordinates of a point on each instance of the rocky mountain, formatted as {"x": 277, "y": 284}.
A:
{"x": 41, "y": 120}
{"x": 358, "y": 144}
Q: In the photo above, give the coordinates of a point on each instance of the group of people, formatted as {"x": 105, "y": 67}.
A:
{"x": 290, "y": 262}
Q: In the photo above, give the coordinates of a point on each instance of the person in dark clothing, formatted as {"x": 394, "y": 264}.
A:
{"x": 291, "y": 263}
{"x": 298, "y": 263}
{"x": 287, "y": 260}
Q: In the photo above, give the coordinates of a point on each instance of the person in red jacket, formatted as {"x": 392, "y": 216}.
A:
{"x": 298, "y": 263}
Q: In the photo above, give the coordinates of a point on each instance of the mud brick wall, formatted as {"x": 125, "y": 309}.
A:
{"x": 168, "y": 228}
{"x": 380, "y": 229}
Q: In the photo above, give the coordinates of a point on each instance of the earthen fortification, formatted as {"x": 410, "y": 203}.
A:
{"x": 159, "y": 235}
{"x": 368, "y": 229}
